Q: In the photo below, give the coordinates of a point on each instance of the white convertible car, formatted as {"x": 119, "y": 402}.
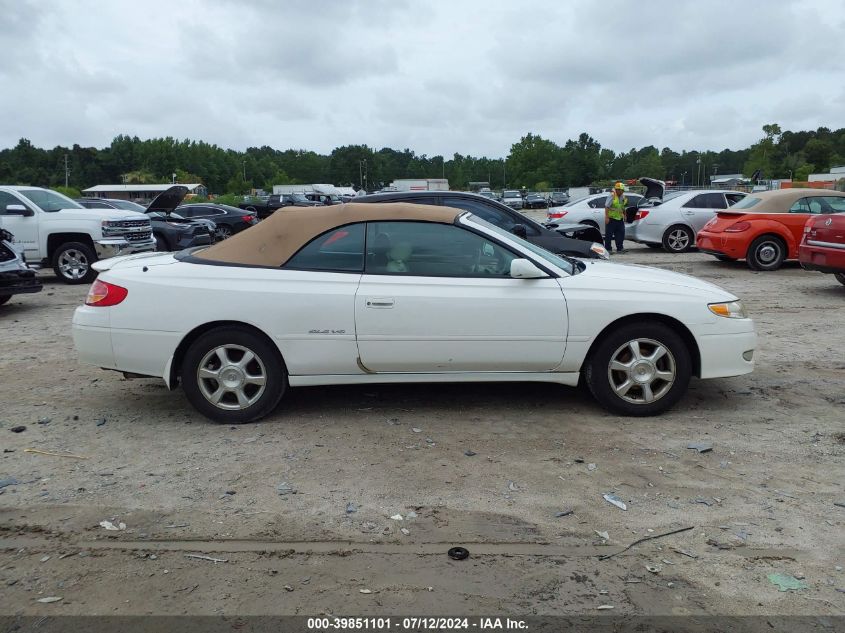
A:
{"x": 365, "y": 293}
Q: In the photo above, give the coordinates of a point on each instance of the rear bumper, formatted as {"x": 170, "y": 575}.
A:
{"x": 112, "y": 247}
{"x": 726, "y": 354}
{"x": 824, "y": 259}
{"x": 92, "y": 336}
{"x": 721, "y": 244}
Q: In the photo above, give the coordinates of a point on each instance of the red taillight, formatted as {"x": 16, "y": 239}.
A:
{"x": 640, "y": 215}
{"x": 557, "y": 215}
{"x": 248, "y": 219}
{"x": 103, "y": 294}
{"x": 739, "y": 227}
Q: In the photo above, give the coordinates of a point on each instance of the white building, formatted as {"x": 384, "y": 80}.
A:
{"x": 133, "y": 192}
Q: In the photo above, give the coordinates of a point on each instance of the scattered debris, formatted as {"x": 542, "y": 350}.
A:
{"x": 701, "y": 447}
{"x": 591, "y": 467}
{"x": 405, "y": 531}
{"x": 112, "y": 527}
{"x": 644, "y": 539}
{"x": 578, "y": 460}
{"x": 604, "y": 607}
{"x": 44, "y": 559}
{"x": 288, "y": 588}
{"x": 684, "y": 552}
{"x": 44, "y": 420}
{"x": 364, "y": 591}
{"x": 36, "y": 451}
{"x": 615, "y": 501}
{"x": 565, "y": 513}
{"x": 512, "y": 486}
{"x": 101, "y": 422}
{"x": 351, "y": 508}
{"x": 8, "y": 481}
{"x": 703, "y": 501}
{"x": 666, "y": 561}
{"x": 416, "y": 430}
{"x": 719, "y": 544}
{"x": 397, "y": 517}
{"x": 470, "y": 453}
{"x": 654, "y": 569}
{"x": 208, "y": 558}
{"x": 49, "y": 599}
{"x": 285, "y": 488}
{"x": 603, "y": 535}
{"x": 840, "y": 504}
{"x": 18, "y": 429}
{"x": 786, "y": 583}
{"x": 458, "y": 553}
{"x": 176, "y": 525}
{"x": 411, "y": 515}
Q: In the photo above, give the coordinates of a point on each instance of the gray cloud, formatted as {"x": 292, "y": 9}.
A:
{"x": 440, "y": 77}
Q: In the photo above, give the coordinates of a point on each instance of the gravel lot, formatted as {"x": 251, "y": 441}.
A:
{"x": 761, "y": 502}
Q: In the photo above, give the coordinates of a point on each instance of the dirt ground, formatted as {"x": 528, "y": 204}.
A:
{"x": 760, "y": 503}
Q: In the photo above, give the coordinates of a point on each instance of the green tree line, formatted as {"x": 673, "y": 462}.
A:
{"x": 533, "y": 162}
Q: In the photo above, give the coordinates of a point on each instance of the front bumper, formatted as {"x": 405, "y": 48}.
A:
{"x": 824, "y": 259}
{"x": 14, "y": 282}
{"x": 114, "y": 246}
{"x": 725, "y": 354}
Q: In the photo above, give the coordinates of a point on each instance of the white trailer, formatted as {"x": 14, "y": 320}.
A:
{"x": 314, "y": 188}
{"x": 420, "y": 184}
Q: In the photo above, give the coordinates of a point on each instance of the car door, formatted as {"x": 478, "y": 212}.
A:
{"x": 23, "y": 227}
{"x": 702, "y": 208}
{"x": 438, "y": 298}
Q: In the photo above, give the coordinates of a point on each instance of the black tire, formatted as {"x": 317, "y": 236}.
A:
{"x": 766, "y": 253}
{"x": 725, "y": 258}
{"x": 222, "y": 232}
{"x": 678, "y": 239}
{"x": 161, "y": 243}
{"x": 654, "y": 246}
{"x": 268, "y": 363}
{"x": 72, "y": 263}
{"x": 4, "y": 299}
{"x": 598, "y": 374}
{"x": 840, "y": 277}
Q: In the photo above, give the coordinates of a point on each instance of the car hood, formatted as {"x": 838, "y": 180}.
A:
{"x": 99, "y": 214}
{"x": 654, "y": 189}
{"x": 652, "y": 277}
{"x": 168, "y": 200}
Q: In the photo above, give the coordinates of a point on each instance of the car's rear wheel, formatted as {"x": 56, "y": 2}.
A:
{"x": 233, "y": 375}
{"x": 639, "y": 369}
{"x": 72, "y": 263}
{"x": 725, "y": 258}
{"x": 840, "y": 277}
{"x": 766, "y": 253}
{"x": 678, "y": 239}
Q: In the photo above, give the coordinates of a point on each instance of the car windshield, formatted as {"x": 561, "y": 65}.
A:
{"x": 126, "y": 205}
{"x": 49, "y": 200}
{"x": 550, "y": 257}
{"x": 511, "y": 194}
{"x": 577, "y": 200}
{"x": 746, "y": 203}
{"x": 673, "y": 194}
{"x": 298, "y": 197}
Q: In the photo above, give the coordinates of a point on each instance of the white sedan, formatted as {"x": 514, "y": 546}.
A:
{"x": 396, "y": 293}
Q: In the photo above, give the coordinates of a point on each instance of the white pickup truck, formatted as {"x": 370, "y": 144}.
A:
{"x": 56, "y": 231}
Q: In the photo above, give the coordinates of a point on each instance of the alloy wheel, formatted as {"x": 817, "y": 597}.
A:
{"x": 73, "y": 264}
{"x": 642, "y": 371}
{"x": 678, "y": 240}
{"x": 231, "y": 377}
{"x": 222, "y": 232}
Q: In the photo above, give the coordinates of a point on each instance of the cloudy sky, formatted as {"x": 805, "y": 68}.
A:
{"x": 437, "y": 76}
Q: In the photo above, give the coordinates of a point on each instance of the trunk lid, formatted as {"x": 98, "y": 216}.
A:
{"x": 723, "y": 220}
{"x": 654, "y": 189}
{"x": 826, "y": 228}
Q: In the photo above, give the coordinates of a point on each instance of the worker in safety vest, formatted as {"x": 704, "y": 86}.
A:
{"x": 614, "y": 218}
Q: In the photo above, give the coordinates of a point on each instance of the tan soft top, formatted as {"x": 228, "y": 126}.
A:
{"x": 275, "y": 240}
{"x": 780, "y": 200}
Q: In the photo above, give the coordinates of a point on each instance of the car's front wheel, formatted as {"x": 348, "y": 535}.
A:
{"x": 72, "y": 263}
{"x": 639, "y": 369}
{"x": 222, "y": 232}
{"x": 233, "y": 375}
{"x": 840, "y": 277}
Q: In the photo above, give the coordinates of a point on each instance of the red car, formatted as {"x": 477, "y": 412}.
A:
{"x": 766, "y": 228}
{"x": 823, "y": 245}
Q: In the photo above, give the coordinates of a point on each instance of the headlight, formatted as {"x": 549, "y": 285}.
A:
{"x": 600, "y": 250}
{"x": 112, "y": 228}
{"x": 731, "y": 310}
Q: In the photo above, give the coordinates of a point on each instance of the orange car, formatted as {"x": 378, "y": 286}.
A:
{"x": 766, "y": 227}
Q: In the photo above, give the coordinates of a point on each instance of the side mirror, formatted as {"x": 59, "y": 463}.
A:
{"x": 19, "y": 209}
{"x": 525, "y": 269}
{"x": 520, "y": 231}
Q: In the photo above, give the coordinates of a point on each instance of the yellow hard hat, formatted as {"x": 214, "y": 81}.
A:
{"x": 619, "y": 185}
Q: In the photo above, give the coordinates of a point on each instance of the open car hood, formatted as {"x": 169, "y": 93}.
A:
{"x": 168, "y": 200}
{"x": 654, "y": 189}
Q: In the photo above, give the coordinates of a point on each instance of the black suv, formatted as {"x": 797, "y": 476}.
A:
{"x": 576, "y": 240}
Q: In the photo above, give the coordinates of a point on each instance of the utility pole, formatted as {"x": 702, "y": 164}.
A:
{"x": 67, "y": 172}
{"x": 244, "y": 162}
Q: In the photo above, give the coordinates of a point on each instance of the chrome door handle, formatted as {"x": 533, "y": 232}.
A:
{"x": 380, "y": 302}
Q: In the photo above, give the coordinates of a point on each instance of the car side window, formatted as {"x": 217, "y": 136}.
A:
{"x": 733, "y": 198}
{"x": 835, "y": 204}
{"x": 427, "y": 249}
{"x": 90, "y": 204}
{"x": 716, "y": 201}
{"x": 7, "y": 199}
{"x": 802, "y": 205}
{"x": 698, "y": 202}
{"x": 339, "y": 250}
{"x": 598, "y": 203}
{"x": 493, "y": 215}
